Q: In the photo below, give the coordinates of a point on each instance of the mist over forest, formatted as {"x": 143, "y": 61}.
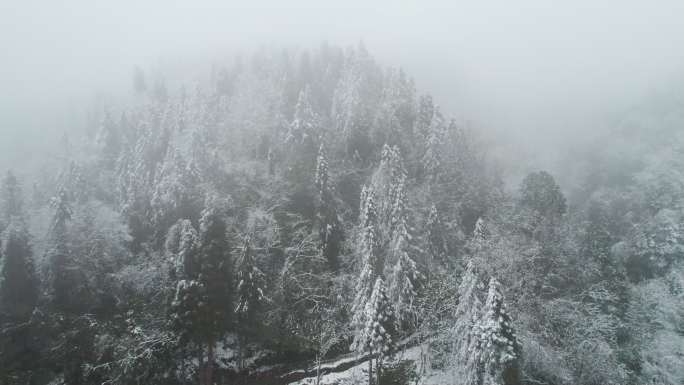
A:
{"x": 342, "y": 193}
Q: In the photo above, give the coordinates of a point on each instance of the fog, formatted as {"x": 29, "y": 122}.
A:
{"x": 535, "y": 73}
{"x": 221, "y": 192}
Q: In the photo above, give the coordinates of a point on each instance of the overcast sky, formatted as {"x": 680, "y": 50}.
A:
{"x": 537, "y": 69}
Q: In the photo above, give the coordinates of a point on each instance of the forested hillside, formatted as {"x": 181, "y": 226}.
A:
{"x": 299, "y": 207}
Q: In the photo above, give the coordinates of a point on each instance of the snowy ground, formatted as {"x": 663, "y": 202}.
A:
{"x": 359, "y": 373}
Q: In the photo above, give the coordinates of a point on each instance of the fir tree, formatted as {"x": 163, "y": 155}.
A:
{"x": 435, "y": 238}
{"x": 18, "y": 283}
{"x": 370, "y": 267}
{"x": 215, "y": 277}
{"x": 249, "y": 295}
{"x": 465, "y": 333}
{"x": 328, "y": 223}
{"x": 403, "y": 280}
{"x": 250, "y": 284}
{"x": 500, "y": 350}
{"x": 201, "y": 310}
{"x": 11, "y": 203}
{"x": 378, "y": 332}
{"x": 61, "y": 281}
{"x": 182, "y": 245}
{"x": 433, "y": 156}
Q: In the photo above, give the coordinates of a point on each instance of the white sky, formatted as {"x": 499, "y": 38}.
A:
{"x": 538, "y": 69}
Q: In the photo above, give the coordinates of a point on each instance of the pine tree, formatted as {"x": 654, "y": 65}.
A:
{"x": 302, "y": 138}
{"x": 250, "y": 293}
{"x": 62, "y": 283}
{"x": 436, "y": 250}
{"x": 328, "y": 222}
{"x": 389, "y": 182}
{"x": 370, "y": 267}
{"x": 201, "y": 310}
{"x": 11, "y": 204}
{"x": 182, "y": 245}
{"x": 424, "y": 116}
{"x": 322, "y": 177}
{"x": 402, "y": 271}
{"x": 480, "y": 235}
{"x": 18, "y": 283}
{"x": 110, "y": 141}
{"x": 306, "y": 123}
{"x": 215, "y": 277}
{"x": 378, "y": 332}
{"x": 176, "y": 194}
{"x": 403, "y": 278}
{"x": 433, "y": 157}
{"x": 499, "y": 346}
{"x": 465, "y": 333}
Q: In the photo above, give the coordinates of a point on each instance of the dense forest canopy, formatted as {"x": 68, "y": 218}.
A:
{"x": 299, "y": 205}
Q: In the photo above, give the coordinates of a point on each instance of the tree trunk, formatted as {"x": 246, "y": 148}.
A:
{"x": 370, "y": 372}
{"x": 200, "y": 365}
{"x": 210, "y": 364}
{"x": 378, "y": 368}
{"x": 318, "y": 369}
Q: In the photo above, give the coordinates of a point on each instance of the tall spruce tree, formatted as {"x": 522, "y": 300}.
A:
{"x": 500, "y": 349}
{"x": 18, "y": 283}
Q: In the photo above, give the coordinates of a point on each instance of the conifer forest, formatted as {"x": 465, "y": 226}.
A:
{"x": 313, "y": 215}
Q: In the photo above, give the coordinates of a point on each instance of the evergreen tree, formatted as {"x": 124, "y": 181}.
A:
{"x": 249, "y": 296}
{"x": 402, "y": 271}
{"x": 215, "y": 277}
{"x": 62, "y": 282}
{"x": 433, "y": 156}
{"x": 425, "y": 113}
{"x": 378, "y": 332}
{"x": 110, "y": 141}
{"x": 465, "y": 333}
{"x": 176, "y": 193}
{"x": 328, "y": 222}
{"x": 371, "y": 265}
{"x": 11, "y": 203}
{"x": 18, "y": 283}
{"x": 302, "y": 138}
{"x": 436, "y": 250}
{"x": 250, "y": 286}
{"x": 201, "y": 310}
{"x": 182, "y": 245}
{"x": 500, "y": 348}
{"x": 540, "y": 193}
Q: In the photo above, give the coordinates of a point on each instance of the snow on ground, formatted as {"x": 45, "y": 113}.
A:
{"x": 359, "y": 373}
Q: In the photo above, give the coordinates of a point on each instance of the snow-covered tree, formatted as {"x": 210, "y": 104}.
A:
{"x": 465, "y": 333}
{"x": 202, "y": 307}
{"x": 433, "y": 154}
{"x": 370, "y": 264}
{"x": 61, "y": 282}
{"x": 389, "y": 184}
{"x": 435, "y": 239}
{"x": 425, "y": 113}
{"x": 250, "y": 285}
{"x": 182, "y": 245}
{"x": 328, "y": 222}
{"x": 378, "y": 333}
{"x": 400, "y": 266}
{"x": 176, "y": 193}
{"x": 499, "y": 347}
{"x": 302, "y": 139}
{"x": 480, "y": 236}
{"x": 403, "y": 279}
{"x": 11, "y": 202}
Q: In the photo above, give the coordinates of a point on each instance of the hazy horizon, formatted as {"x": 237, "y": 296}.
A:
{"x": 537, "y": 76}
